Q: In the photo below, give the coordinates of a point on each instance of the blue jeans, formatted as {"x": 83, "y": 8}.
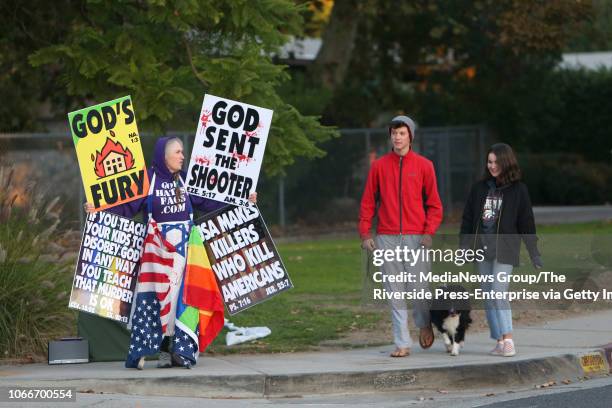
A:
{"x": 499, "y": 314}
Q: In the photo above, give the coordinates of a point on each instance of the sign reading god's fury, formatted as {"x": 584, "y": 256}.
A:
{"x": 110, "y": 156}
{"x": 243, "y": 257}
{"x": 228, "y": 150}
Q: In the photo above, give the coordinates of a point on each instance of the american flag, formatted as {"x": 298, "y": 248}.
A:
{"x": 146, "y": 329}
{"x": 185, "y": 342}
{"x": 152, "y": 308}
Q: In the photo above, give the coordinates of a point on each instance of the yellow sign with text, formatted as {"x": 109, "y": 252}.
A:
{"x": 110, "y": 156}
{"x": 593, "y": 363}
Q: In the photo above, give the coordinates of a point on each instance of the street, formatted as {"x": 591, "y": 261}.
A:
{"x": 594, "y": 393}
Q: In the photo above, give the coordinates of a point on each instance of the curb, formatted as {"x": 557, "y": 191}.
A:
{"x": 513, "y": 372}
{"x": 458, "y": 377}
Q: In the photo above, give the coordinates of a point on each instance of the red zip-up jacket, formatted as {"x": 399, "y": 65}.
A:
{"x": 401, "y": 182}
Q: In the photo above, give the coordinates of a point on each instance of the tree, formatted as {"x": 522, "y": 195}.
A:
{"x": 338, "y": 41}
{"x": 447, "y": 62}
{"x": 23, "y": 29}
{"x": 444, "y": 63}
{"x": 595, "y": 32}
{"x": 167, "y": 54}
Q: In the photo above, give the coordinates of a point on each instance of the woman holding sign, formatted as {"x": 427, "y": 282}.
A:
{"x": 169, "y": 210}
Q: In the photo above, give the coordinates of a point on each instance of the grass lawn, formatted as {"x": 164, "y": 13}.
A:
{"x": 324, "y": 303}
{"x": 328, "y": 277}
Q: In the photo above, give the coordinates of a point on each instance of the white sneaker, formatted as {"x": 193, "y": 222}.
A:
{"x": 141, "y": 363}
{"x": 498, "y": 350}
{"x": 509, "y": 349}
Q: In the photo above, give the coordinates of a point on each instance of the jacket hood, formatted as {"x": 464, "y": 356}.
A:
{"x": 492, "y": 184}
{"x": 159, "y": 157}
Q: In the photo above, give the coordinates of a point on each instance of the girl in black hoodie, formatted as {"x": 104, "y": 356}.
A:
{"x": 497, "y": 215}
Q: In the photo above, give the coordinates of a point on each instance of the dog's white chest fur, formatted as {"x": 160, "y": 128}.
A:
{"x": 450, "y": 324}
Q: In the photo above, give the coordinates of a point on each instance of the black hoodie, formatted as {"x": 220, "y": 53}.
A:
{"x": 515, "y": 221}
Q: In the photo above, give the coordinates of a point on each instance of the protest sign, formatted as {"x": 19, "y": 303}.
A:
{"x": 243, "y": 257}
{"x": 109, "y": 152}
{"x": 107, "y": 267}
{"x": 228, "y": 150}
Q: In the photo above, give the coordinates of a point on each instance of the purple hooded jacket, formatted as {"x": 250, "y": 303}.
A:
{"x": 165, "y": 207}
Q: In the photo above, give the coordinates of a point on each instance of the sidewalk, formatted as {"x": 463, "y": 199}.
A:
{"x": 572, "y": 214}
{"x": 547, "y": 352}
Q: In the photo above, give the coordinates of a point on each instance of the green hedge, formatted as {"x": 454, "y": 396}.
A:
{"x": 566, "y": 179}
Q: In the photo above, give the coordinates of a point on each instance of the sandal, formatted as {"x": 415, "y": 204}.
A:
{"x": 426, "y": 337}
{"x": 400, "y": 352}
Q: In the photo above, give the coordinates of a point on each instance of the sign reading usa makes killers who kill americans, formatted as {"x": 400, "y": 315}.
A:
{"x": 228, "y": 150}
{"x": 242, "y": 255}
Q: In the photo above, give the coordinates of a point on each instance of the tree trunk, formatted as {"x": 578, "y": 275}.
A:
{"x": 337, "y": 46}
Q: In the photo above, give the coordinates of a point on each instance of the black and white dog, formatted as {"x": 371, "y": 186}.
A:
{"x": 450, "y": 313}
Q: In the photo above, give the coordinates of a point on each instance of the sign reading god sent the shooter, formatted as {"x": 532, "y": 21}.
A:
{"x": 243, "y": 257}
{"x": 108, "y": 264}
{"x": 110, "y": 156}
{"x": 228, "y": 150}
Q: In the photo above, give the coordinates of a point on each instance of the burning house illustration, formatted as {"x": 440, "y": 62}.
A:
{"x": 113, "y": 159}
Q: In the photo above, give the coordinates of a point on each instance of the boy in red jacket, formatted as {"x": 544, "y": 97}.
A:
{"x": 403, "y": 183}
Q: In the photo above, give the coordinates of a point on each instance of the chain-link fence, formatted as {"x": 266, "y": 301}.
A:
{"x": 47, "y": 163}
{"x": 327, "y": 191}
{"x": 323, "y": 192}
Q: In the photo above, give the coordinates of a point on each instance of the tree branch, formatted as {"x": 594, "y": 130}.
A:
{"x": 191, "y": 64}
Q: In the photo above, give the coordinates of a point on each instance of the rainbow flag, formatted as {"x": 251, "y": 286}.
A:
{"x": 203, "y": 303}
